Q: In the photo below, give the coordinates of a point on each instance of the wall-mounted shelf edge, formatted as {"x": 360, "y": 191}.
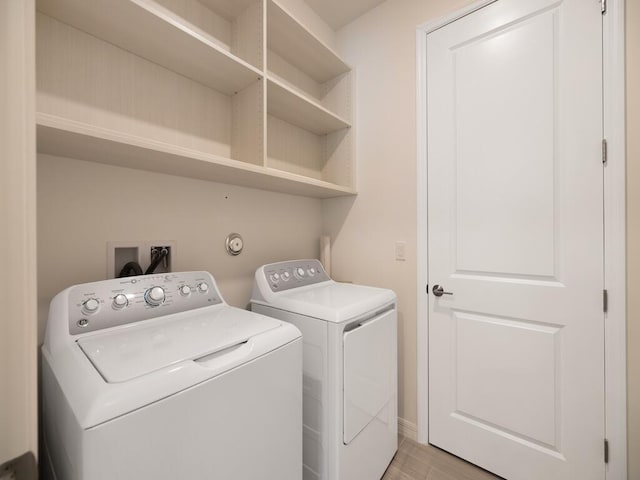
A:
{"x": 288, "y": 105}
{"x": 149, "y": 30}
{"x": 58, "y": 136}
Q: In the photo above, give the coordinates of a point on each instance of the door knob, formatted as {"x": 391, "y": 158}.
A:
{"x": 438, "y": 291}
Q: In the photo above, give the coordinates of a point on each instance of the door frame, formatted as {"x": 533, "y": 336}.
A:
{"x": 614, "y": 229}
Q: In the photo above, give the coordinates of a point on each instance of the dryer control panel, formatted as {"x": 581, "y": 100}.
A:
{"x": 293, "y": 274}
{"x": 109, "y": 303}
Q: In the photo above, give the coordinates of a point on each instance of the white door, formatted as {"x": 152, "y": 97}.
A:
{"x": 516, "y": 369}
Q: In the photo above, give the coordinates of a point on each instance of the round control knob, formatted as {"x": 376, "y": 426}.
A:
{"x": 286, "y": 276}
{"x": 185, "y": 290}
{"x": 300, "y": 271}
{"x": 91, "y": 305}
{"x": 203, "y": 287}
{"x": 311, "y": 271}
{"x": 154, "y": 296}
{"x": 120, "y": 301}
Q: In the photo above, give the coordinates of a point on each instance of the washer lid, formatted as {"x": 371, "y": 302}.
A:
{"x": 332, "y": 301}
{"x": 138, "y": 349}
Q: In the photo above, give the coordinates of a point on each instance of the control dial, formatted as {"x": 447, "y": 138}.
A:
{"x": 185, "y": 290}
{"x": 203, "y": 287}
{"x": 154, "y": 296}
{"x": 120, "y": 301}
{"x": 286, "y": 275}
{"x": 300, "y": 273}
{"x": 91, "y": 305}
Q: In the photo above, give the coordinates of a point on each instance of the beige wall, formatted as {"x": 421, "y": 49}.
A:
{"x": 18, "y": 364}
{"x": 82, "y": 206}
{"x": 381, "y": 47}
{"x": 633, "y": 234}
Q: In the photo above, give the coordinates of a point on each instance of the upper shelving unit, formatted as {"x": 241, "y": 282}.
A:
{"x": 191, "y": 88}
{"x": 298, "y": 46}
{"x": 155, "y": 33}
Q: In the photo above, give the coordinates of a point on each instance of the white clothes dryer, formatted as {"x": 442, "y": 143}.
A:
{"x": 350, "y": 367}
{"x": 156, "y": 377}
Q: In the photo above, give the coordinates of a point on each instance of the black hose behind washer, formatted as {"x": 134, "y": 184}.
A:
{"x": 155, "y": 261}
{"x": 130, "y": 269}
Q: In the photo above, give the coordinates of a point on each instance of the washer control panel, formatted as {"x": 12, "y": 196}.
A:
{"x": 297, "y": 273}
{"x": 106, "y": 304}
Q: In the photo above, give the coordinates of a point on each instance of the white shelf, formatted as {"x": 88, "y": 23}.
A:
{"x": 293, "y": 42}
{"x": 67, "y": 138}
{"x": 288, "y": 105}
{"x": 151, "y": 31}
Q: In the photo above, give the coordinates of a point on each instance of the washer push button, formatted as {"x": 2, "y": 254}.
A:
{"x": 120, "y": 301}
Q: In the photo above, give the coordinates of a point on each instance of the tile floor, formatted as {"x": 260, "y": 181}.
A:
{"x": 424, "y": 462}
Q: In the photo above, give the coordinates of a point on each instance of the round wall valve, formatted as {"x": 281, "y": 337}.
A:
{"x": 234, "y": 244}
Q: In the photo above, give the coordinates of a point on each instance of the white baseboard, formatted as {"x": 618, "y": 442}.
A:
{"x": 407, "y": 429}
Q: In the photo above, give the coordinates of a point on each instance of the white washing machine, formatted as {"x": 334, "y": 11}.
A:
{"x": 350, "y": 367}
{"x": 156, "y": 377}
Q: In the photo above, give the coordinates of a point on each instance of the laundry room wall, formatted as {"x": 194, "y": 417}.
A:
{"x": 633, "y": 235}
{"x": 83, "y": 205}
{"x": 18, "y": 360}
{"x": 380, "y": 46}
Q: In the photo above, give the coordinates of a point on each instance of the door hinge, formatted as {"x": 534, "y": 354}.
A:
{"x": 605, "y": 301}
{"x": 604, "y": 151}
{"x": 603, "y": 6}
{"x": 606, "y": 451}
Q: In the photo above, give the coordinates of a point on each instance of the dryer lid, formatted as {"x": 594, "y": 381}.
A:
{"x": 332, "y": 301}
{"x": 139, "y": 349}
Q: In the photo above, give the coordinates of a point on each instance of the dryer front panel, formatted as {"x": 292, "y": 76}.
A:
{"x": 370, "y": 363}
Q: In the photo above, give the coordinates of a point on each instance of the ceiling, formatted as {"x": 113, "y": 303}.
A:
{"x": 337, "y": 13}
